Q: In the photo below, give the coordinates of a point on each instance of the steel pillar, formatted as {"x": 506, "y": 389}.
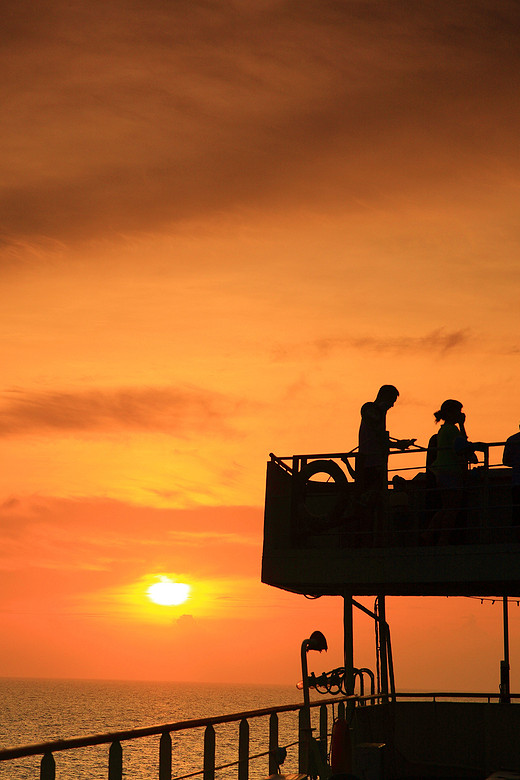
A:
{"x": 348, "y": 643}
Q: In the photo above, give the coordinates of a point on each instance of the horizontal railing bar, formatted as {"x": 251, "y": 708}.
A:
{"x": 438, "y": 695}
{"x": 318, "y": 456}
{"x": 351, "y": 453}
{"x": 411, "y": 531}
{"x": 149, "y": 731}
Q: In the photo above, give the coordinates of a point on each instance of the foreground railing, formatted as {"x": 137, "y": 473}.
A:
{"x": 209, "y": 768}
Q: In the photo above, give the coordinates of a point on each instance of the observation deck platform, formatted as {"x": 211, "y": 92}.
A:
{"x": 324, "y": 536}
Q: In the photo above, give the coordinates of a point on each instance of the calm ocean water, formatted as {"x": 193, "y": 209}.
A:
{"x": 33, "y": 711}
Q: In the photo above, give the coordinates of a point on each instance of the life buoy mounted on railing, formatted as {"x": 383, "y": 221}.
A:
{"x": 340, "y": 748}
{"x": 324, "y": 508}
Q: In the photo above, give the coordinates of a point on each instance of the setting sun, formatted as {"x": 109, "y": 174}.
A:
{"x": 168, "y": 593}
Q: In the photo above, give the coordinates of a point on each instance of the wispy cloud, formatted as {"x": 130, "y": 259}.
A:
{"x": 108, "y": 539}
{"x": 176, "y": 411}
{"x": 439, "y": 341}
{"x": 130, "y": 116}
{"x": 207, "y": 537}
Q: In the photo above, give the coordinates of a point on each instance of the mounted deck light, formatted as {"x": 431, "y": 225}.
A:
{"x": 317, "y": 642}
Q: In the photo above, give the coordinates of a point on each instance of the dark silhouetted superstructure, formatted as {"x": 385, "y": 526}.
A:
{"x": 330, "y": 530}
{"x": 322, "y": 535}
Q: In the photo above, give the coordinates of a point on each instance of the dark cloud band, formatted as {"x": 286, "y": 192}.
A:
{"x": 174, "y": 411}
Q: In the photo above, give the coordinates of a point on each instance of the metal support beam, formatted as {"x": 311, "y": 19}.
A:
{"x": 505, "y": 698}
{"x": 383, "y": 644}
{"x": 348, "y": 643}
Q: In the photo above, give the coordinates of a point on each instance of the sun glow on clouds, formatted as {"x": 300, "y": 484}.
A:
{"x": 158, "y": 599}
{"x": 162, "y": 599}
{"x": 168, "y": 593}
{"x": 200, "y": 270}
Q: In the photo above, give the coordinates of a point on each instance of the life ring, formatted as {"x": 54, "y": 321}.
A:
{"x": 340, "y": 748}
{"x": 324, "y": 510}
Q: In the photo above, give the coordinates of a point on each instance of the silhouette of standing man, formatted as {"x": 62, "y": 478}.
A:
{"x": 375, "y": 441}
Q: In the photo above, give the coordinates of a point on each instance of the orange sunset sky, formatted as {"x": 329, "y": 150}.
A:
{"x": 225, "y": 223}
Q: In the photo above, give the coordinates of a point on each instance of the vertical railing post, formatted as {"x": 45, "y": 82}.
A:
{"x": 47, "y": 767}
{"x": 295, "y": 525}
{"x": 115, "y": 761}
{"x": 390, "y": 661}
{"x": 348, "y": 643}
{"x": 165, "y": 756}
{"x": 273, "y": 743}
{"x": 505, "y": 697}
{"x": 209, "y": 753}
{"x": 341, "y": 710}
{"x": 303, "y": 740}
{"x": 383, "y": 645}
{"x": 243, "y": 750}
{"x": 323, "y": 731}
{"x": 485, "y": 499}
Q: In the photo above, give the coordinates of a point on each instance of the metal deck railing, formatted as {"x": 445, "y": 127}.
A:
{"x": 209, "y": 769}
{"x": 326, "y": 500}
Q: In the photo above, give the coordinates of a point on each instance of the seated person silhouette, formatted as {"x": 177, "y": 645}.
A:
{"x": 449, "y": 466}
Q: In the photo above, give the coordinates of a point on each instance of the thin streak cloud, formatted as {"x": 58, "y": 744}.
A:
{"x": 175, "y": 411}
{"x": 439, "y": 342}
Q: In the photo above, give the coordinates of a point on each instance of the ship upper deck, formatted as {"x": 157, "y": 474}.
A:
{"x": 324, "y": 534}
